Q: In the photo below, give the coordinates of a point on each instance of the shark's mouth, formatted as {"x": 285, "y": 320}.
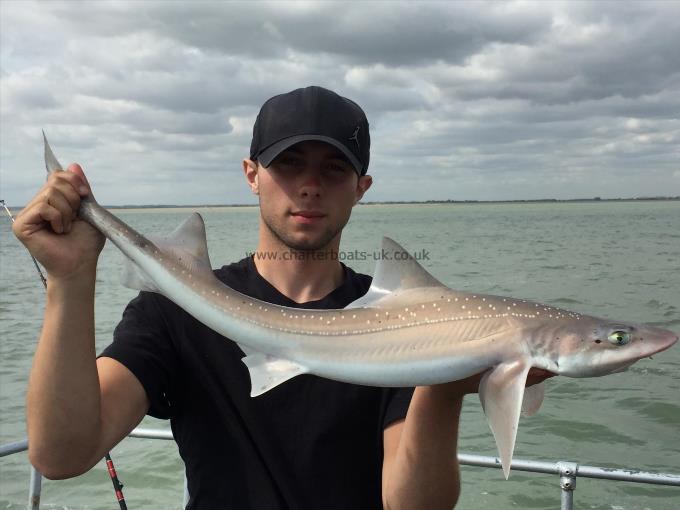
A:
{"x": 624, "y": 367}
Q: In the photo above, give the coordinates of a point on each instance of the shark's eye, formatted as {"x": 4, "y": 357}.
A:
{"x": 619, "y": 337}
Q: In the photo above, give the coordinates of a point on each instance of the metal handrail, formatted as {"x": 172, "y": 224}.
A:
{"x": 567, "y": 471}
{"x": 556, "y": 468}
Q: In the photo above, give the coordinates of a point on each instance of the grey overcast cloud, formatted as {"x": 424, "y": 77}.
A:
{"x": 466, "y": 100}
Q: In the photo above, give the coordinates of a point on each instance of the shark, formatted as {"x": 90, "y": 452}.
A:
{"x": 408, "y": 330}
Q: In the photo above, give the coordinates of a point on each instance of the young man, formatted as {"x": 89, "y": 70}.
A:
{"x": 308, "y": 443}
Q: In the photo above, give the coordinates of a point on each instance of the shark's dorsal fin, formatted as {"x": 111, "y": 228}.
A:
{"x": 395, "y": 272}
{"x": 186, "y": 245}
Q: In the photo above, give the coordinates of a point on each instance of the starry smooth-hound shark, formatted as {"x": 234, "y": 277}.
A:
{"x": 408, "y": 330}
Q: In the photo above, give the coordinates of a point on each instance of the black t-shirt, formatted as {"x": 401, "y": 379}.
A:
{"x": 308, "y": 443}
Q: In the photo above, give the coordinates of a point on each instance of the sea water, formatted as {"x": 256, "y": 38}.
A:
{"x": 611, "y": 259}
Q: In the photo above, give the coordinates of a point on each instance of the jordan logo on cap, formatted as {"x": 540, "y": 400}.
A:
{"x": 355, "y": 136}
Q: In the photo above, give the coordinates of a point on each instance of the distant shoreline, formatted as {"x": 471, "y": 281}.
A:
{"x": 14, "y": 208}
{"x": 421, "y": 202}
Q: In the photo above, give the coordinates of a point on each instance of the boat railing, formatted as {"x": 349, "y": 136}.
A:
{"x": 566, "y": 471}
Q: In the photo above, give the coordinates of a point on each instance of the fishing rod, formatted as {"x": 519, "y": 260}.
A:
{"x": 35, "y": 262}
{"x": 117, "y": 486}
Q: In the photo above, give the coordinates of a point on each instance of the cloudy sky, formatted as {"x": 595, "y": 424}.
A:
{"x": 466, "y": 100}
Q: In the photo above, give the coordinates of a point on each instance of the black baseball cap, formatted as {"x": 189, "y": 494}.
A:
{"x": 312, "y": 113}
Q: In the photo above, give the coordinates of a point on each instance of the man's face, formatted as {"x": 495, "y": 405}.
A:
{"x": 307, "y": 194}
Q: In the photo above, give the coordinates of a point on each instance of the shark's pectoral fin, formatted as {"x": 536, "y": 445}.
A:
{"x": 533, "y": 398}
{"x": 186, "y": 247}
{"x": 501, "y": 391}
{"x": 267, "y": 371}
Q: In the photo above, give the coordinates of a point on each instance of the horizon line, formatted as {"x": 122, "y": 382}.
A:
{"x": 406, "y": 202}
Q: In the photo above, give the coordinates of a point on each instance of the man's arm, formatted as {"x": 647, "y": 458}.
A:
{"x": 77, "y": 408}
{"x": 420, "y": 467}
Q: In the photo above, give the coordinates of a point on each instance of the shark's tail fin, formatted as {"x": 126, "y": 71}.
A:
{"x": 51, "y": 163}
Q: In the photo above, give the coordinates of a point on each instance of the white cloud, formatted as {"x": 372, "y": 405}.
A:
{"x": 466, "y": 100}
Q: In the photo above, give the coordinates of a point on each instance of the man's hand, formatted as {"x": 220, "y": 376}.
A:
{"x": 49, "y": 228}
